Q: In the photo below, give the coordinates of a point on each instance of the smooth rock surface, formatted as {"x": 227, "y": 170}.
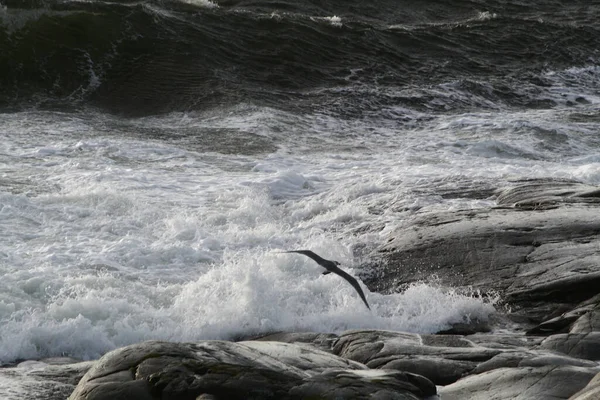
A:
{"x": 246, "y": 370}
{"x": 530, "y": 358}
{"x": 580, "y": 345}
{"x": 524, "y": 383}
{"x": 321, "y": 341}
{"x": 538, "y": 249}
{"x": 443, "y": 359}
{"x": 583, "y": 318}
{"x": 590, "y": 392}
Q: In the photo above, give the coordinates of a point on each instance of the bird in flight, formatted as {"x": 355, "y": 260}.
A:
{"x": 332, "y": 266}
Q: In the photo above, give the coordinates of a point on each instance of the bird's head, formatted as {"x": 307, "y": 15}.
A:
{"x": 337, "y": 262}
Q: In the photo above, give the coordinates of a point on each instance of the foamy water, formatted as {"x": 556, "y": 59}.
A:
{"x": 109, "y": 236}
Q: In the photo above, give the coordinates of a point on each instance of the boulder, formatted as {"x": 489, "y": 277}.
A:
{"x": 244, "y": 370}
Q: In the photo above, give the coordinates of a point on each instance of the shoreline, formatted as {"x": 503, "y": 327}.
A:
{"x": 556, "y": 337}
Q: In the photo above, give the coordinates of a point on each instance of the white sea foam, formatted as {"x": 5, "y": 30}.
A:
{"x": 486, "y": 16}
{"x": 14, "y": 18}
{"x": 335, "y": 20}
{"x": 243, "y": 296}
{"x": 108, "y": 239}
{"x": 201, "y": 3}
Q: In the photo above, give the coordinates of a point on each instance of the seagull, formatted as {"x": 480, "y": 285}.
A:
{"x": 332, "y": 266}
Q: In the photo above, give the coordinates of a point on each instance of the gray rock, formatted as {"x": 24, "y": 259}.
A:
{"x": 443, "y": 359}
{"x": 43, "y": 380}
{"x": 590, "y": 392}
{"x": 505, "y": 340}
{"x": 524, "y": 383}
{"x": 245, "y": 370}
{"x": 583, "y": 318}
{"x": 580, "y": 345}
{"x": 361, "y": 384}
{"x": 545, "y": 193}
{"x": 588, "y": 322}
{"x": 590, "y": 316}
{"x": 302, "y": 356}
{"x": 566, "y": 269}
{"x": 529, "y": 358}
{"x": 538, "y": 249}
{"x": 321, "y": 341}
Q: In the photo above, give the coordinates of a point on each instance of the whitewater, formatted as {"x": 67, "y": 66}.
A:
{"x": 113, "y": 232}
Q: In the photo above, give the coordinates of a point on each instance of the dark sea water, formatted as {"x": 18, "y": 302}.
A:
{"x": 353, "y": 58}
{"x": 155, "y": 156}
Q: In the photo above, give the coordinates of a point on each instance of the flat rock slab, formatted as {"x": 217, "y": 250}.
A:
{"x": 538, "y": 249}
{"x": 245, "y": 370}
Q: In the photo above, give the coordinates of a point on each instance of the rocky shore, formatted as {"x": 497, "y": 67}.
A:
{"x": 538, "y": 250}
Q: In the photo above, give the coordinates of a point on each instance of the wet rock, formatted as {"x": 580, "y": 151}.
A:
{"x": 363, "y": 384}
{"x": 51, "y": 379}
{"x": 464, "y": 328}
{"x": 244, "y": 370}
{"x": 443, "y": 359}
{"x": 558, "y": 324}
{"x": 588, "y": 322}
{"x": 524, "y": 383}
{"x": 543, "y": 193}
{"x": 583, "y": 318}
{"x": 505, "y": 340}
{"x": 321, "y": 341}
{"x": 302, "y": 356}
{"x": 538, "y": 249}
{"x": 529, "y": 358}
{"x": 567, "y": 270}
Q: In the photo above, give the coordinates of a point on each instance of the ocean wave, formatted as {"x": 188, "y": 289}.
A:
{"x": 149, "y": 57}
{"x": 95, "y": 313}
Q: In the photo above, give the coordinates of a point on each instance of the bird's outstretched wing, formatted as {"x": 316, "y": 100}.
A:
{"x": 331, "y": 266}
{"x": 351, "y": 280}
{"x": 318, "y": 259}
